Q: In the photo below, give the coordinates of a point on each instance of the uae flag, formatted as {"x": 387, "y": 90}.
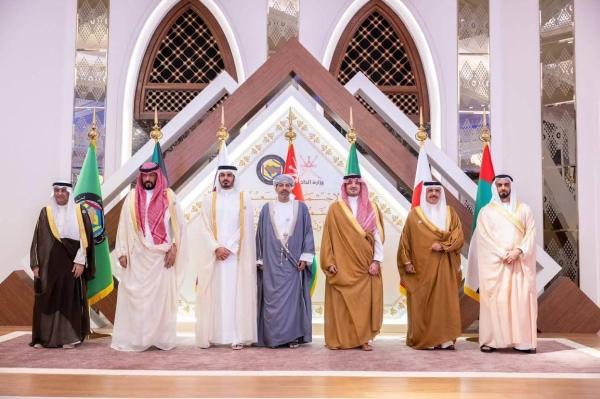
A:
{"x": 423, "y": 174}
{"x": 291, "y": 168}
{"x": 484, "y": 196}
{"x": 88, "y": 193}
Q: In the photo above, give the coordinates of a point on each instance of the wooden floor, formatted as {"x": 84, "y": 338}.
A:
{"x": 106, "y": 386}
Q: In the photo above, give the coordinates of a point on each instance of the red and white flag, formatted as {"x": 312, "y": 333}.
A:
{"x": 423, "y": 174}
{"x": 291, "y": 168}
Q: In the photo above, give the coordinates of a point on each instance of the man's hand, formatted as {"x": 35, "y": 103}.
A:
{"x": 301, "y": 265}
{"x": 123, "y": 261}
{"x": 77, "y": 270}
{"x": 410, "y": 268}
{"x": 511, "y": 256}
{"x": 332, "y": 269}
{"x": 260, "y": 267}
{"x": 436, "y": 246}
{"x": 374, "y": 268}
{"x": 222, "y": 253}
{"x": 170, "y": 257}
{"x": 36, "y": 272}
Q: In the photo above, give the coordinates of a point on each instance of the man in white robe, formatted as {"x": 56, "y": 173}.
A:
{"x": 226, "y": 292}
{"x": 152, "y": 250}
{"x": 507, "y": 271}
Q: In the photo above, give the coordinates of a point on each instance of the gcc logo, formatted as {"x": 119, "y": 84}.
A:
{"x": 268, "y": 167}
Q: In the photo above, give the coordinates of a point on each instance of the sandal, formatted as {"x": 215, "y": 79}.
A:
{"x": 527, "y": 351}
{"x": 293, "y": 345}
{"x": 487, "y": 349}
{"x": 366, "y": 347}
{"x": 448, "y": 348}
{"x": 237, "y": 347}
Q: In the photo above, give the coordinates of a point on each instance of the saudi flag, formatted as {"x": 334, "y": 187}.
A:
{"x": 484, "y": 196}
{"x": 352, "y": 167}
{"x": 88, "y": 193}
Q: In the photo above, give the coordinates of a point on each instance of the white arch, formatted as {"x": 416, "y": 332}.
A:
{"x": 425, "y": 52}
{"x": 139, "y": 49}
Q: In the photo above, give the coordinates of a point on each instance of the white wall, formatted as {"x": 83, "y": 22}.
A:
{"x": 587, "y": 59}
{"x": 37, "y": 43}
{"x": 515, "y": 85}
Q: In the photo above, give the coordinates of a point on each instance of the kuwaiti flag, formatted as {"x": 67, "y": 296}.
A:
{"x": 157, "y": 158}
{"x": 484, "y": 196}
{"x": 291, "y": 168}
{"x": 423, "y": 174}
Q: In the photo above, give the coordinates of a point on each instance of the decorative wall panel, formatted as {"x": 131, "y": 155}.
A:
{"x": 90, "y": 80}
{"x": 559, "y": 135}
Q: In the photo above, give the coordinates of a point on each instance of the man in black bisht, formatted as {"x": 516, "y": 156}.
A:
{"x": 62, "y": 260}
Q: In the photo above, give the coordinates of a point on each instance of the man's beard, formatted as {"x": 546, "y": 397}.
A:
{"x": 283, "y": 194}
{"x": 504, "y": 194}
{"x": 149, "y": 185}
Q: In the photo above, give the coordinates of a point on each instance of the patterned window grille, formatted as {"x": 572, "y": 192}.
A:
{"x": 187, "y": 52}
{"x": 473, "y": 80}
{"x": 91, "y": 51}
{"x": 282, "y": 23}
{"x": 377, "y": 43}
{"x": 559, "y": 135}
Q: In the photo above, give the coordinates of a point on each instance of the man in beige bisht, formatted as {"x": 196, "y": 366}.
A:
{"x": 152, "y": 250}
{"x": 507, "y": 271}
{"x": 351, "y": 254}
{"x": 429, "y": 265}
{"x": 226, "y": 295}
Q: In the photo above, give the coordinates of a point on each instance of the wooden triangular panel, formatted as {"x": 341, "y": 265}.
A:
{"x": 293, "y": 61}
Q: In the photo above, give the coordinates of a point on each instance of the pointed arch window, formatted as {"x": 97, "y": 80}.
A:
{"x": 187, "y": 51}
{"x": 376, "y": 43}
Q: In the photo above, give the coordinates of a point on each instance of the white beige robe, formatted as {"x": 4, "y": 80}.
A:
{"x": 507, "y": 292}
{"x": 226, "y": 293}
{"x": 148, "y": 296}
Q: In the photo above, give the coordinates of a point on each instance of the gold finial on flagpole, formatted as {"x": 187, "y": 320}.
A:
{"x": 485, "y": 135}
{"x": 351, "y": 136}
{"x": 290, "y": 135}
{"x": 222, "y": 134}
{"x": 421, "y": 135}
{"x": 156, "y": 134}
{"x": 93, "y": 133}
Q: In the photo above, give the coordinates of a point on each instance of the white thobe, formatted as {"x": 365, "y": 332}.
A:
{"x": 148, "y": 294}
{"x": 225, "y": 273}
{"x": 283, "y": 215}
{"x": 60, "y": 219}
{"x": 378, "y": 250}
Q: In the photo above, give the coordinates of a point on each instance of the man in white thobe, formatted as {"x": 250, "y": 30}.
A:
{"x": 152, "y": 250}
{"x": 226, "y": 293}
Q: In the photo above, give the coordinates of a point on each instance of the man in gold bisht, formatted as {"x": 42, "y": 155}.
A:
{"x": 507, "y": 271}
{"x": 429, "y": 265}
{"x": 351, "y": 253}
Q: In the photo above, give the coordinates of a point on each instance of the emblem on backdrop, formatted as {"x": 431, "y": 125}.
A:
{"x": 268, "y": 167}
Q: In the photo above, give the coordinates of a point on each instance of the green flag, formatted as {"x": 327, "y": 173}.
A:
{"x": 352, "y": 167}
{"x": 88, "y": 193}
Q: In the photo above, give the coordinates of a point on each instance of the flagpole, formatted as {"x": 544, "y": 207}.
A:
{"x": 156, "y": 134}
{"x": 421, "y": 134}
{"x": 290, "y": 135}
{"x": 485, "y": 135}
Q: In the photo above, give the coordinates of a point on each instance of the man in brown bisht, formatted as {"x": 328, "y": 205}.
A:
{"x": 62, "y": 260}
{"x": 351, "y": 253}
{"x": 429, "y": 266}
